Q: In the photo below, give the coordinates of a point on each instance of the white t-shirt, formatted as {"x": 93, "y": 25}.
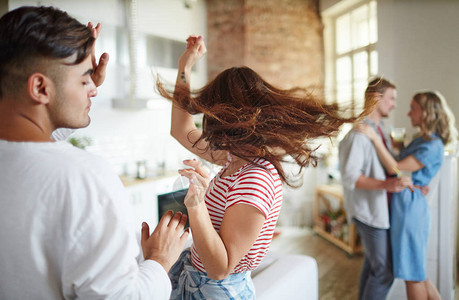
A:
{"x": 61, "y": 134}
{"x": 65, "y": 228}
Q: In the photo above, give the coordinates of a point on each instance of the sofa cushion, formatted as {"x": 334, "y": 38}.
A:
{"x": 286, "y": 276}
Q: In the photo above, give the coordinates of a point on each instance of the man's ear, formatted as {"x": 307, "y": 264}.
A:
{"x": 40, "y": 88}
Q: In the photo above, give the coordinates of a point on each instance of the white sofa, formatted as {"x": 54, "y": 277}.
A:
{"x": 286, "y": 276}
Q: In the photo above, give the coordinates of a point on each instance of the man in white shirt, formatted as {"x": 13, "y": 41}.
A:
{"x": 365, "y": 192}
{"x": 64, "y": 224}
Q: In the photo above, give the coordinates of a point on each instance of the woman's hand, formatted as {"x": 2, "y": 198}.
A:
{"x": 367, "y": 130}
{"x": 195, "y": 49}
{"x": 199, "y": 181}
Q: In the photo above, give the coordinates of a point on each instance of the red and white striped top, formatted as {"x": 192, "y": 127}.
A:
{"x": 257, "y": 184}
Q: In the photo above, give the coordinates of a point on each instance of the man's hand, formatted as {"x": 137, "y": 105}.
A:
{"x": 166, "y": 242}
{"x": 396, "y": 185}
{"x": 425, "y": 190}
{"x": 98, "y": 76}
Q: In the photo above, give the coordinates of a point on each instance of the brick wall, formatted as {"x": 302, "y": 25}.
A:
{"x": 279, "y": 39}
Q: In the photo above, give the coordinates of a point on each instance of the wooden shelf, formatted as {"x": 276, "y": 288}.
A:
{"x": 322, "y": 195}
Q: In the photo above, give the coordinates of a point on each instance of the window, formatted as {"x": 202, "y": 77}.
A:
{"x": 350, "y": 52}
{"x": 163, "y": 52}
{"x": 159, "y": 51}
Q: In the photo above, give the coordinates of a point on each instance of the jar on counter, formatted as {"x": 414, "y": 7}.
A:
{"x": 141, "y": 169}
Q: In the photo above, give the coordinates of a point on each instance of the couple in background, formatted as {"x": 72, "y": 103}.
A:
{"x": 378, "y": 198}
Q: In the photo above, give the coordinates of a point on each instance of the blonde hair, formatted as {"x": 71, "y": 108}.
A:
{"x": 436, "y": 116}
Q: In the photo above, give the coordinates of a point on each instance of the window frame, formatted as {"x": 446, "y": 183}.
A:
{"x": 330, "y": 17}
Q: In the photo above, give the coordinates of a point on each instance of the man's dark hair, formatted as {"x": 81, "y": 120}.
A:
{"x": 377, "y": 86}
{"x": 30, "y": 34}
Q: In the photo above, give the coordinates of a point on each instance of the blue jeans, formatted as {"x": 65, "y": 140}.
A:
{"x": 191, "y": 284}
{"x": 377, "y": 276}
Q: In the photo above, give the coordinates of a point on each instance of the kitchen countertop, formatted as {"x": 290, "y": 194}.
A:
{"x": 132, "y": 180}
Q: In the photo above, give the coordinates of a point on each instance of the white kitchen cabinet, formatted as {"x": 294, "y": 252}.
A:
{"x": 143, "y": 198}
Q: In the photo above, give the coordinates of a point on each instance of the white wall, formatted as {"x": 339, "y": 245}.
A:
{"x": 418, "y": 44}
{"x": 418, "y": 49}
{"x": 126, "y": 136}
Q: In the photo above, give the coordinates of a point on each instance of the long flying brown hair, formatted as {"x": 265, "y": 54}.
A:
{"x": 250, "y": 118}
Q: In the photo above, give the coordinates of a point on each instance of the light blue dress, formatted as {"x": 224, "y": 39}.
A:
{"x": 410, "y": 214}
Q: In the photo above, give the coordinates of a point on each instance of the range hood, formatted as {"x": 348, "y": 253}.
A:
{"x": 131, "y": 99}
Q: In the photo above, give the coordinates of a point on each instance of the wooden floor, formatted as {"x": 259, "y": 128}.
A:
{"x": 338, "y": 273}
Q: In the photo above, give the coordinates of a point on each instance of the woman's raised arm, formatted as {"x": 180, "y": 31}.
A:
{"x": 391, "y": 165}
{"x": 183, "y": 128}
